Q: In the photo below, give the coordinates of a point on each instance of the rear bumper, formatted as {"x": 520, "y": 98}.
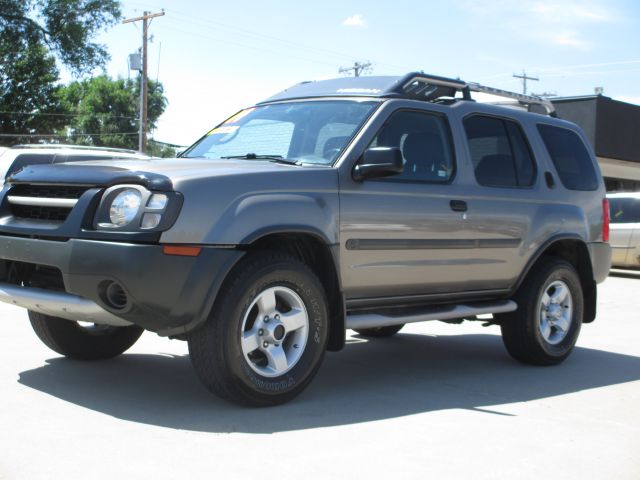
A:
{"x": 600, "y": 254}
{"x": 166, "y": 294}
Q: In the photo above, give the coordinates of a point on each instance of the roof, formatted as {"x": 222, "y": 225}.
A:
{"x": 415, "y": 86}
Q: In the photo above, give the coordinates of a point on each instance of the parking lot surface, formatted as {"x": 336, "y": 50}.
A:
{"x": 435, "y": 401}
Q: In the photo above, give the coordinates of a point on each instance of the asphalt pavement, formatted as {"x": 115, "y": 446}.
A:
{"x": 436, "y": 401}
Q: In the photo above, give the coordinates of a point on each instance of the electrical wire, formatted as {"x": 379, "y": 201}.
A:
{"x": 37, "y": 135}
{"x": 45, "y": 114}
{"x": 244, "y": 31}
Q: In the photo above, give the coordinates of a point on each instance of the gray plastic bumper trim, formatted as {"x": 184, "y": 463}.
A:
{"x": 58, "y": 304}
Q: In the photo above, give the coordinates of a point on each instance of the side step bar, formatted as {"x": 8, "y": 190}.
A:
{"x": 58, "y": 304}
{"x": 375, "y": 320}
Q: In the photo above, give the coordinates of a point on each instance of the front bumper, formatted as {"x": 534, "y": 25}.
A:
{"x": 166, "y": 294}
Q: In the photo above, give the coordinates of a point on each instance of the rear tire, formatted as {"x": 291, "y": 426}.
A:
{"x": 73, "y": 340}
{"x": 379, "y": 332}
{"x": 266, "y": 336}
{"x": 545, "y": 328}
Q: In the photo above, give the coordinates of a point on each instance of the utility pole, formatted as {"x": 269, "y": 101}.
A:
{"x": 142, "y": 144}
{"x": 358, "y": 68}
{"x": 524, "y": 78}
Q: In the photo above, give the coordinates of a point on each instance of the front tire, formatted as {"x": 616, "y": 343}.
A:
{"x": 73, "y": 340}
{"x": 266, "y": 335}
{"x": 545, "y": 328}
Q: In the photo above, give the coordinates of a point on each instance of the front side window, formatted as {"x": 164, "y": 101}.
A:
{"x": 425, "y": 142}
{"x": 305, "y": 132}
{"x": 570, "y": 157}
{"x": 499, "y": 151}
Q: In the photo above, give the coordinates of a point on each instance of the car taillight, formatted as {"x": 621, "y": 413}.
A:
{"x": 606, "y": 218}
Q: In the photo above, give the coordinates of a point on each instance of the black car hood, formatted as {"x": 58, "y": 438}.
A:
{"x": 95, "y": 175}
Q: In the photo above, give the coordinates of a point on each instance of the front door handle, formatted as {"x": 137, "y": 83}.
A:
{"x": 458, "y": 205}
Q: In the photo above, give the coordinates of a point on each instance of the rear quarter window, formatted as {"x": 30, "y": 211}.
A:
{"x": 570, "y": 157}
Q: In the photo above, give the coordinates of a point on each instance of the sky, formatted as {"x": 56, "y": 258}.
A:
{"x": 216, "y": 57}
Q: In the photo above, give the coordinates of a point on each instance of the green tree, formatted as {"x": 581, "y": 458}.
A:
{"x": 105, "y": 111}
{"x": 66, "y": 27}
{"x": 33, "y": 35}
{"x": 28, "y": 89}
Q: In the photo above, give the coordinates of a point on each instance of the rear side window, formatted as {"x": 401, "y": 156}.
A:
{"x": 500, "y": 153}
{"x": 624, "y": 210}
{"x": 570, "y": 157}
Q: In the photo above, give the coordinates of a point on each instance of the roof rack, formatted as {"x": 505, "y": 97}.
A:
{"x": 431, "y": 87}
{"x": 36, "y": 146}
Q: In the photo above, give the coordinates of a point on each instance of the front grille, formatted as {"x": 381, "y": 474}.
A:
{"x": 47, "y": 194}
{"x": 48, "y": 191}
{"x": 33, "y": 212}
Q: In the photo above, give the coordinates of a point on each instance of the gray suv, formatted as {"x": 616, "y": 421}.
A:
{"x": 356, "y": 203}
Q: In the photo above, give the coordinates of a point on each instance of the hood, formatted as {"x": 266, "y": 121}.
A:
{"x": 155, "y": 174}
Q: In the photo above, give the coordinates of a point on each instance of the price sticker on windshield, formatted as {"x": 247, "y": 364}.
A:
{"x": 223, "y": 130}
{"x": 238, "y": 116}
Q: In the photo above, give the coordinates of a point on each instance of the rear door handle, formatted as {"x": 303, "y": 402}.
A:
{"x": 458, "y": 205}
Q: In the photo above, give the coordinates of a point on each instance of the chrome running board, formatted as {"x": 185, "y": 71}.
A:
{"x": 58, "y": 304}
{"x": 375, "y": 320}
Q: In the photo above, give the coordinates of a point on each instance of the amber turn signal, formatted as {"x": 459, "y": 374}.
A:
{"x": 180, "y": 250}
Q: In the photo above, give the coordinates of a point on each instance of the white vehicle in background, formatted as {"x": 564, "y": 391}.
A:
{"x": 17, "y": 157}
{"x": 625, "y": 229}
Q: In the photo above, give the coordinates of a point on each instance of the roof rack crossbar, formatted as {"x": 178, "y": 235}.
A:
{"x": 523, "y": 99}
{"x": 409, "y": 87}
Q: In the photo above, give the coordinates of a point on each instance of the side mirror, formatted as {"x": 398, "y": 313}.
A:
{"x": 378, "y": 162}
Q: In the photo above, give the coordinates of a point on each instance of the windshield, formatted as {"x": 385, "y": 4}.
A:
{"x": 304, "y": 132}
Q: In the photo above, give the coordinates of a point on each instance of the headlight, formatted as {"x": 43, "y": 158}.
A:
{"x": 125, "y": 207}
{"x": 134, "y": 208}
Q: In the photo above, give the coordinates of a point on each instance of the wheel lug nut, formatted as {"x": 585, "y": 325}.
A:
{"x": 265, "y": 344}
{"x": 277, "y": 317}
{"x": 261, "y": 332}
{"x": 266, "y": 319}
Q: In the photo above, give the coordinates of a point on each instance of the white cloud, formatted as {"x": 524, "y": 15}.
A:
{"x": 570, "y": 39}
{"x": 570, "y": 11}
{"x": 355, "y": 21}
{"x": 564, "y": 23}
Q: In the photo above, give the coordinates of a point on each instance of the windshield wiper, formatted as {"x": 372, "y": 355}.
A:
{"x": 272, "y": 158}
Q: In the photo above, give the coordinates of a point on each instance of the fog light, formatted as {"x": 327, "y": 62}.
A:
{"x": 150, "y": 220}
{"x": 115, "y": 296}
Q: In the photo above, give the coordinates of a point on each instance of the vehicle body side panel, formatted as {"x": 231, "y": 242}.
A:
{"x": 239, "y": 209}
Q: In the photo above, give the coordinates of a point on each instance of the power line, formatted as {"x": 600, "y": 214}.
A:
{"x": 243, "y": 31}
{"x": 44, "y": 114}
{"x": 11, "y": 135}
{"x": 253, "y": 47}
